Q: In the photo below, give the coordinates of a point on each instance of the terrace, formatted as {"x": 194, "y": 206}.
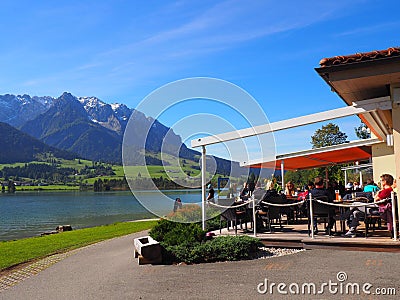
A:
{"x": 369, "y": 84}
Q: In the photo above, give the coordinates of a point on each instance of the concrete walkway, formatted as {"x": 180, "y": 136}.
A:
{"x": 107, "y": 270}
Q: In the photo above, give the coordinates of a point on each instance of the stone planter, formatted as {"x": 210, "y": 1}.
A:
{"x": 147, "y": 250}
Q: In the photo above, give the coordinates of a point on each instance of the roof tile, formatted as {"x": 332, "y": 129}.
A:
{"x": 358, "y": 57}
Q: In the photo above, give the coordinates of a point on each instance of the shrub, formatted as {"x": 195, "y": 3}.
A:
{"x": 170, "y": 233}
{"x": 225, "y": 248}
{"x": 186, "y": 242}
{"x": 229, "y": 248}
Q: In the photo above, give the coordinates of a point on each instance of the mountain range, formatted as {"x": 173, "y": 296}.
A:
{"x": 93, "y": 129}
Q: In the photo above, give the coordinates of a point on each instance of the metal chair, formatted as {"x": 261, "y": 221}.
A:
{"x": 320, "y": 211}
{"x": 232, "y": 214}
{"x": 269, "y": 213}
{"x": 373, "y": 217}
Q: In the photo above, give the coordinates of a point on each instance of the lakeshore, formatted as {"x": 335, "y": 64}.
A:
{"x": 27, "y": 214}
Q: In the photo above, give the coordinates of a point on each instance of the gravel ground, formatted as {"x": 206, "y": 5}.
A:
{"x": 269, "y": 252}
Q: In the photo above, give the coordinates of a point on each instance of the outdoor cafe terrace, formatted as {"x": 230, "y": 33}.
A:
{"x": 287, "y": 224}
{"x": 369, "y": 85}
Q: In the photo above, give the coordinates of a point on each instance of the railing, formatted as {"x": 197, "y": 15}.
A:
{"x": 311, "y": 215}
{"x": 356, "y": 205}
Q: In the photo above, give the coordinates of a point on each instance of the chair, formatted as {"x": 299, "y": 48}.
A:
{"x": 320, "y": 211}
{"x": 268, "y": 213}
{"x": 371, "y": 218}
{"x": 232, "y": 214}
{"x": 367, "y": 195}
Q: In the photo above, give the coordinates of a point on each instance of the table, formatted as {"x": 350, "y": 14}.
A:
{"x": 342, "y": 209}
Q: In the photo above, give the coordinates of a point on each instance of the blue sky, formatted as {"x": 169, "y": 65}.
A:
{"x": 120, "y": 51}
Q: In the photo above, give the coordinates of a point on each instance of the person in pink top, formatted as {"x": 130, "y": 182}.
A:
{"x": 385, "y": 209}
{"x": 386, "y": 192}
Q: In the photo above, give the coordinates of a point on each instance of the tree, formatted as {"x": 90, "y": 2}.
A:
{"x": 362, "y": 131}
{"x": 11, "y": 186}
{"x": 328, "y": 135}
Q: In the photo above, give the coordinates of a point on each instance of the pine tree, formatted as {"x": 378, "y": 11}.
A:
{"x": 328, "y": 135}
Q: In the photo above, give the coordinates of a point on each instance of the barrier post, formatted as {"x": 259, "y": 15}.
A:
{"x": 398, "y": 211}
{"x": 394, "y": 217}
{"x": 311, "y": 215}
{"x": 254, "y": 216}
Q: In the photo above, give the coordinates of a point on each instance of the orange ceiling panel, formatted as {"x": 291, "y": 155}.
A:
{"x": 309, "y": 161}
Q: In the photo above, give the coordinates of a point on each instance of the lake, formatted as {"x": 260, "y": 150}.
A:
{"x": 27, "y": 214}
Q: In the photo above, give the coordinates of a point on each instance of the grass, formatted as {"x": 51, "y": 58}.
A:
{"x": 47, "y": 188}
{"x": 16, "y": 252}
{"x": 74, "y": 163}
{"x": 171, "y": 172}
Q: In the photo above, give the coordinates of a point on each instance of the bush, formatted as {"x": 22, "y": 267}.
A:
{"x": 225, "y": 248}
{"x": 170, "y": 233}
{"x": 184, "y": 242}
{"x": 229, "y": 248}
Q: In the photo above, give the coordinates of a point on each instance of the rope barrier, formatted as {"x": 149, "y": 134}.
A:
{"x": 358, "y": 204}
{"x": 231, "y": 206}
{"x": 283, "y": 204}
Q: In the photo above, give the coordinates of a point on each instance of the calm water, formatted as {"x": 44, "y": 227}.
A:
{"x": 26, "y": 214}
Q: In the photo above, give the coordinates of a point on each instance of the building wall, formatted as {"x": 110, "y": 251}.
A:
{"x": 383, "y": 160}
{"x": 396, "y": 129}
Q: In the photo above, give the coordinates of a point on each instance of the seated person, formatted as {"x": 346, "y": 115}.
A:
{"x": 357, "y": 187}
{"x": 271, "y": 196}
{"x": 304, "y": 195}
{"x": 371, "y": 186}
{"x": 259, "y": 193}
{"x": 251, "y": 187}
{"x": 349, "y": 186}
{"x": 320, "y": 191}
{"x": 385, "y": 209}
{"x": 356, "y": 213}
{"x": 270, "y": 190}
{"x": 290, "y": 191}
{"x": 245, "y": 193}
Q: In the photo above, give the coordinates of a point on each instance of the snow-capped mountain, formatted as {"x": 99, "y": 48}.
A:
{"x": 105, "y": 114}
{"x": 92, "y": 128}
{"x": 17, "y": 110}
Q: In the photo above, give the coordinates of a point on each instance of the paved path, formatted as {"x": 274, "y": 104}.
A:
{"x": 108, "y": 270}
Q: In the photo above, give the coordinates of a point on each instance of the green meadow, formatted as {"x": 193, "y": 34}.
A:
{"x": 16, "y": 252}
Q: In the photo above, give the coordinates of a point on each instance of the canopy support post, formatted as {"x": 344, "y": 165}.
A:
{"x": 203, "y": 188}
{"x": 326, "y": 178}
{"x": 283, "y": 174}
